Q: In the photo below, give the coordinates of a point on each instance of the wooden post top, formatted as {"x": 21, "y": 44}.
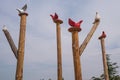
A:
{"x": 103, "y": 35}
{"x": 71, "y": 29}
{"x": 58, "y": 21}
{"x": 20, "y": 14}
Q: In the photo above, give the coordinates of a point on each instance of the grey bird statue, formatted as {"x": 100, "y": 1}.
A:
{"x": 97, "y": 18}
{"x": 24, "y": 8}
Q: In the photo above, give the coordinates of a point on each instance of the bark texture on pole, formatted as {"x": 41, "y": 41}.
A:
{"x": 59, "y": 53}
{"x": 10, "y": 41}
{"x": 102, "y": 40}
{"x": 87, "y": 39}
{"x": 76, "y": 57}
{"x": 21, "y": 45}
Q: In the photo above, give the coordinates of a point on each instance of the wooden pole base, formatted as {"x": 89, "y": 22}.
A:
{"x": 76, "y": 57}
{"x": 20, "y": 61}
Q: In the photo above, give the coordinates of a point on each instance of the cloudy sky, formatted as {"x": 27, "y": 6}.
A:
{"x": 40, "y": 49}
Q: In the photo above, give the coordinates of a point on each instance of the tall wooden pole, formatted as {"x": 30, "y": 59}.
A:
{"x": 102, "y": 37}
{"x": 10, "y": 41}
{"x": 87, "y": 39}
{"x": 19, "y": 69}
{"x": 76, "y": 57}
{"x": 59, "y": 53}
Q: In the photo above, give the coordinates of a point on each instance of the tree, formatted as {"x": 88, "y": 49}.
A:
{"x": 112, "y": 71}
{"x": 49, "y": 79}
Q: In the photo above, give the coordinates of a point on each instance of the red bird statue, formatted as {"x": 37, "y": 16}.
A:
{"x": 54, "y": 17}
{"x": 103, "y": 35}
{"x": 74, "y": 24}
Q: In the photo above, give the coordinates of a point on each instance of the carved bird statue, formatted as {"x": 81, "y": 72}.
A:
{"x": 24, "y": 8}
{"x": 103, "y": 35}
{"x": 4, "y": 27}
{"x": 74, "y": 24}
{"x": 97, "y": 18}
{"x": 54, "y": 17}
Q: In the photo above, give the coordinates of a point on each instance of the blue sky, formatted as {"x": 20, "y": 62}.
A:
{"x": 40, "y": 49}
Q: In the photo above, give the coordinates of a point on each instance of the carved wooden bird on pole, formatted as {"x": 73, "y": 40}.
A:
{"x": 54, "y": 17}
{"x": 4, "y": 27}
{"x": 74, "y": 24}
{"x": 24, "y": 8}
{"x": 103, "y": 35}
{"x": 97, "y": 18}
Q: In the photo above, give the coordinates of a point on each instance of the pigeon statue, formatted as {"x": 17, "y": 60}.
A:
{"x": 23, "y": 9}
{"x": 74, "y": 24}
{"x": 97, "y": 18}
{"x": 54, "y": 17}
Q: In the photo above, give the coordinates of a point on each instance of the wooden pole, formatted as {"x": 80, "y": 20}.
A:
{"x": 102, "y": 37}
{"x": 87, "y": 39}
{"x": 19, "y": 69}
{"x": 10, "y": 41}
{"x": 59, "y": 53}
{"x": 76, "y": 57}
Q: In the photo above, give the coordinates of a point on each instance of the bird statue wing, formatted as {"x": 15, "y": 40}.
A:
{"x": 55, "y": 16}
{"x": 71, "y": 22}
{"x": 19, "y": 10}
{"x": 24, "y": 7}
{"x": 78, "y": 23}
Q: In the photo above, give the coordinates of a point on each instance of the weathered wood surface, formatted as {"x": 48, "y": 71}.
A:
{"x": 59, "y": 53}
{"x": 76, "y": 57}
{"x": 87, "y": 39}
{"x": 104, "y": 59}
{"x": 21, "y": 45}
{"x": 11, "y": 42}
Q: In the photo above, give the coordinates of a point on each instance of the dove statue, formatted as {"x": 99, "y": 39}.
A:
{"x": 24, "y": 8}
{"x": 4, "y": 27}
{"x": 97, "y": 18}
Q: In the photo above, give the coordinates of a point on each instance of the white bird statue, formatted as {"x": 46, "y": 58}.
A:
{"x": 4, "y": 27}
{"x": 97, "y": 18}
{"x": 24, "y": 8}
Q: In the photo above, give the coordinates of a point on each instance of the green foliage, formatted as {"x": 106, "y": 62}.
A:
{"x": 112, "y": 71}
